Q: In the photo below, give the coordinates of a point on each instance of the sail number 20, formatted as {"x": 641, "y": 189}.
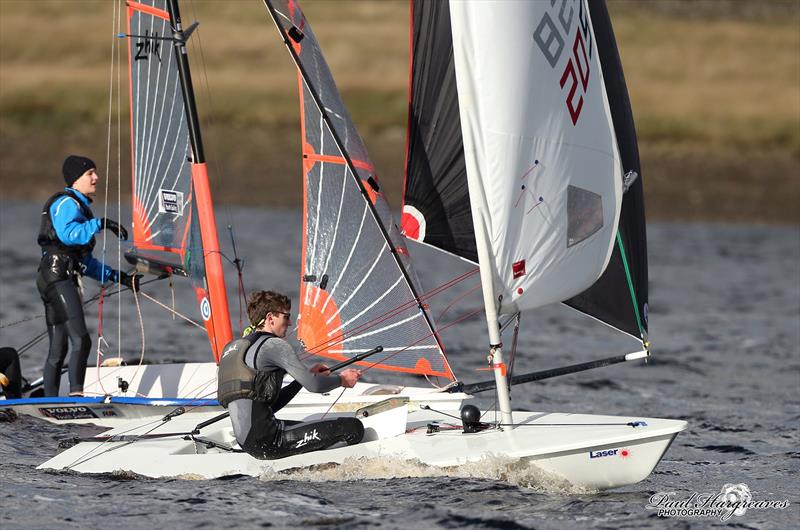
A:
{"x": 551, "y": 37}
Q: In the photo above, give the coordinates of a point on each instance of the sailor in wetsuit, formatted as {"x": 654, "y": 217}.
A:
{"x": 249, "y": 385}
{"x": 66, "y": 236}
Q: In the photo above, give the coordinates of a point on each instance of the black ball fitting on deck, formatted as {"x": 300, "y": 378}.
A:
{"x": 471, "y": 419}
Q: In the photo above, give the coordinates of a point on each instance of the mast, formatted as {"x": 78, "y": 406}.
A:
{"x": 490, "y": 306}
{"x": 214, "y": 309}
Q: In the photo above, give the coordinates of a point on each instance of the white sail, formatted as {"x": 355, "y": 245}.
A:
{"x": 542, "y": 161}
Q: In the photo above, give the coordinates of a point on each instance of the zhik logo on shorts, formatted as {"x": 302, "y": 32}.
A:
{"x": 307, "y": 437}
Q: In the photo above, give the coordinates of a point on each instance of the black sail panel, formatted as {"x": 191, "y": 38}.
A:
{"x": 619, "y": 297}
{"x": 436, "y": 207}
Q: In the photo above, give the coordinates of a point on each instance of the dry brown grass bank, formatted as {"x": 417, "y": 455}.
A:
{"x": 715, "y": 89}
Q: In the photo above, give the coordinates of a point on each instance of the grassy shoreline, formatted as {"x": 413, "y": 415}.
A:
{"x": 715, "y": 90}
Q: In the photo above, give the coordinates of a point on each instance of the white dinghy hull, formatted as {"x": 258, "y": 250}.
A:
{"x": 588, "y": 451}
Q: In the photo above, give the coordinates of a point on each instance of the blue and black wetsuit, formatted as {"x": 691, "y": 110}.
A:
{"x": 66, "y": 236}
{"x": 267, "y": 359}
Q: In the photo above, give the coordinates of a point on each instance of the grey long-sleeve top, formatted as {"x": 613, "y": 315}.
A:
{"x": 270, "y": 353}
{"x": 275, "y": 352}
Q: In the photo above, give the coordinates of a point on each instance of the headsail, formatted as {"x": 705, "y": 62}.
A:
{"x": 358, "y": 289}
{"x": 436, "y": 194}
{"x": 172, "y": 212}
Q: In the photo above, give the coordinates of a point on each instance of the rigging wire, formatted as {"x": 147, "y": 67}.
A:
{"x": 119, "y": 172}
{"x": 513, "y": 355}
{"x": 141, "y": 331}
{"x": 22, "y": 349}
{"x": 334, "y": 403}
{"x": 171, "y": 310}
{"x": 340, "y": 338}
{"x": 115, "y": 22}
{"x": 100, "y": 340}
{"x": 85, "y": 457}
{"x": 441, "y": 328}
{"x": 458, "y": 299}
{"x": 218, "y": 172}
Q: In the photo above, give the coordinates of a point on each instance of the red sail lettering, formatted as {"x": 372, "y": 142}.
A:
{"x": 574, "y": 110}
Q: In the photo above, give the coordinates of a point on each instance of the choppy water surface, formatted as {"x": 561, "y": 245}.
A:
{"x": 725, "y": 328}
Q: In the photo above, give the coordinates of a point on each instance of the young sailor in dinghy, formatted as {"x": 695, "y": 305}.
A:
{"x": 250, "y": 379}
{"x": 66, "y": 236}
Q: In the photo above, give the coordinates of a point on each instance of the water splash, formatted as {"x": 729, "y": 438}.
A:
{"x": 517, "y": 472}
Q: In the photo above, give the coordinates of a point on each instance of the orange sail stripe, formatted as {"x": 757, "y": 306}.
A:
{"x": 316, "y": 323}
{"x": 337, "y": 160}
{"x": 150, "y": 10}
{"x": 307, "y": 166}
{"x": 319, "y": 328}
{"x": 371, "y": 193}
{"x": 142, "y": 235}
{"x": 185, "y": 235}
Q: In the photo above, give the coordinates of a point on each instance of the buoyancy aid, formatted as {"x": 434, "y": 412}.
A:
{"x": 63, "y": 259}
{"x": 237, "y": 380}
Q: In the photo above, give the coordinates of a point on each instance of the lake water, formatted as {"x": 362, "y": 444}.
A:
{"x": 724, "y": 327}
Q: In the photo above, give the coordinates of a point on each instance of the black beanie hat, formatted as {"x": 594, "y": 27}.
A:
{"x": 74, "y": 167}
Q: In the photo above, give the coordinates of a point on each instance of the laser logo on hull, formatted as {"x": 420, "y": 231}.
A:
{"x": 623, "y": 453}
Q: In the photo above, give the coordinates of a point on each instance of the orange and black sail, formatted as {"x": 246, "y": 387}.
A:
{"x": 173, "y": 217}
{"x": 358, "y": 289}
